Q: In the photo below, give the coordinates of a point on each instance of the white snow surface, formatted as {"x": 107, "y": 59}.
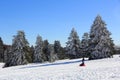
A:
{"x": 102, "y": 69}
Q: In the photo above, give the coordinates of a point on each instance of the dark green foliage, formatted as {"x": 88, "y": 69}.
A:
{"x": 59, "y": 50}
{"x": 62, "y": 54}
{"x": 57, "y": 46}
{"x": 117, "y": 50}
{"x": 46, "y": 52}
{"x": 32, "y": 52}
{"x": 7, "y": 49}
{"x": 28, "y": 54}
{"x": 1, "y": 50}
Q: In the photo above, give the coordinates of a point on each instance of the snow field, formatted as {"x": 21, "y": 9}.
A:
{"x": 104, "y": 69}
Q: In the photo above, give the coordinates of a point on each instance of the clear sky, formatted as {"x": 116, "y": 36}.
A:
{"x": 54, "y": 19}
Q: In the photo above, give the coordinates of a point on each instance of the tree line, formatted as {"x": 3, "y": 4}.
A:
{"x": 95, "y": 45}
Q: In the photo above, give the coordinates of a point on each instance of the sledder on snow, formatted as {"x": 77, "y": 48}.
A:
{"x": 82, "y": 64}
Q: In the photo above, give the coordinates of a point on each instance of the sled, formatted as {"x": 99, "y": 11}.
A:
{"x": 82, "y": 65}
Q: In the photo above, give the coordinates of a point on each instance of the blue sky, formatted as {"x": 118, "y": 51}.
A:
{"x": 54, "y": 19}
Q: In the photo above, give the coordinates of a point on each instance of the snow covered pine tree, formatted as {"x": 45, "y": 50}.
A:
{"x": 85, "y": 44}
{"x": 19, "y": 53}
{"x": 73, "y": 45}
{"x": 58, "y": 49}
{"x": 100, "y": 42}
{"x": 52, "y": 57}
{"x": 38, "y": 50}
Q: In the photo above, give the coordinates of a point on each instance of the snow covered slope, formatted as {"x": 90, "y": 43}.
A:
{"x": 104, "y": 69}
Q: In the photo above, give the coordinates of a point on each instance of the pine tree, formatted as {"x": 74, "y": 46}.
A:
{"x": 63, "y": 53}
{"x": 100, "y": 41}
{"x": 38, "y": 50}
{"x": 59, "y": 50}
{"x": 57, "y": 46}
{"x": 1, "y": 50}
{"x": 49, "y": 52}
{"x": 73, "y": 45}
{"x": 18, "y": 51}
{"x": 29, "y": 54}
{"x": 85, "y": 44}
{"x": 52, "y": 56}
{"x": 32, "y": 53}
{"x": 46, "y": 52}
{"x": 7, "y": 49}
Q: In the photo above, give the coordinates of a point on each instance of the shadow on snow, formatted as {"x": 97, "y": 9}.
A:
{"x": 51, "y": 64}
